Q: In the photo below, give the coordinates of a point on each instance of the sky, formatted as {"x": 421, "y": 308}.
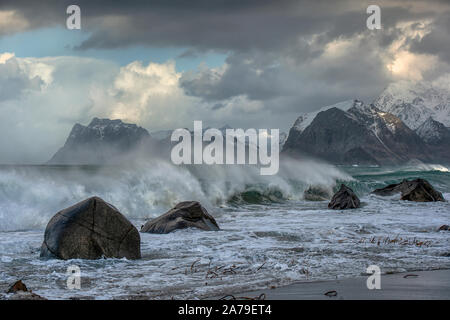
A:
{"x": 163, "y": 64}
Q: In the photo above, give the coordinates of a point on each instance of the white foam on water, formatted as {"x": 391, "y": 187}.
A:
{"x": 30, "y": 196}
{"x": 258, "y": 246}
{"x": 292, "y": 241}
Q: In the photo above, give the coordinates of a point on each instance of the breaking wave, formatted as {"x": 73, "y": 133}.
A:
{"x": 31, "y": 195}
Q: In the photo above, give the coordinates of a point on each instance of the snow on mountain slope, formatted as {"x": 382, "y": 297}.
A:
{"x": 305, "y": 119}
{"x": 433, "y": 132}
{"x": 415, "y": 102}
{"x": 363, "y": 134}
{"x": 100, "y": 141}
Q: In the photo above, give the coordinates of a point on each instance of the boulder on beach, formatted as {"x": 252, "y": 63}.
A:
{"x": 26, "y": 295}
{"x": 91, "y": 229}
{"x": 188, "y": 214}
{"x": 345, "y": 198}
{"x": 316, "y": 193}
{"x": 21, "y": 292}
{"x": 419, "y": 190}
{"x": 17, "y": 286}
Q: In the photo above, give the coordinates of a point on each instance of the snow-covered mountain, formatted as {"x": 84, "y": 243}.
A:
{"x": 101, "y": 141}
{"x": 408, "y": 120}
{"x": 305, "y": 119}
{"x": 437, "y": 138}
{"x": 415, "y": 102}
{"x": 433, "y": 132}
{"x": 356, "y": 134}
{"x": 283, "y": 138}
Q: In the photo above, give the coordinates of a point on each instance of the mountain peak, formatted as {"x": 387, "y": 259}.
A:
{"x": 99, "y": 142}
{"x": 433, "y": 132}
{"x": 360, "y": 134}
{"x": 305, "y": 119}
{"x": 414, "y": 102}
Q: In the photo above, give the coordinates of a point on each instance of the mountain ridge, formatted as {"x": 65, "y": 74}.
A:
{"x": 101, "y": 141}
{"x": 361, "y": 135}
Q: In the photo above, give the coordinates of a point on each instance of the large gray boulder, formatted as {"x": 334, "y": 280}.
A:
{"x": 419, "y": 190}
{"x": 188, "y": 214}
{"x": 345, "y": 198}
{"x": 91, "y": 229}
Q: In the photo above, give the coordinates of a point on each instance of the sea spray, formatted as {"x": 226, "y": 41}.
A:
{"x": 31, "y": 195}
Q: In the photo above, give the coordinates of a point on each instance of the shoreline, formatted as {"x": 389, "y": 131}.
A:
{"x": 415, "y": 285}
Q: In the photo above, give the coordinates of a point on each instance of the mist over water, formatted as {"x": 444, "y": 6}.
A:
{"x": 31, "y": 195}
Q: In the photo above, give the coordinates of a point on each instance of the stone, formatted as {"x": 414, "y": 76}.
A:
{"x": 345, "y": 198}
{"x": 91, "y": 229}
{"x": 419, "y": 190}
{"x": 188, "y": 214}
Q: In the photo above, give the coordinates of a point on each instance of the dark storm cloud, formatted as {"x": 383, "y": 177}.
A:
{"x": 436, "y": 42}
{"x": 276, "y": 49}
{"x": 206, "y": 24}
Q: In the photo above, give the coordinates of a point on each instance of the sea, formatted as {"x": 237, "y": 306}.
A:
{"x": 270, "y": 235}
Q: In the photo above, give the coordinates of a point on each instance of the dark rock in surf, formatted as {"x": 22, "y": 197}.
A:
{"x": 21, "y": 292}
{"x": 345, "y": 198}
{"x": 90, "y": 229}
{"x": 188, "y": 214}
{"x": 418, "y": 190}
{"x": 26, "y": 295}
{"x": 444, "y": 228}
{"x": 316, "y": 193}
{"x": 17, "y": 286}
{"x": 360, "y": 134}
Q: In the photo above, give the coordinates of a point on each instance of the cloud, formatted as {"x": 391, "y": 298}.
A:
{"x": 149, "y": 95}
{"x": 283, "y": 57}
{"x": 11, "y": 22}
{"x": 436, "y": 41}
{"x": 338, "y": 64}
{"x": 41, "y": 99}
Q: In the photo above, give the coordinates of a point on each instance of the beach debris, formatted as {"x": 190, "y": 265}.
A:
{"x": 17, "y": 286}
{"x": 397, "y": 240}
{"x": 418, "y": 190}
{"x": 345, "y": 198}
{"x": 444, "y": 228}
{"x": 261, "y": 266}
{"x": 188, "y": 214}
{"x": 262, "y": 296}
{"x": 193, "y": 270}
{"x": 220, "y": 271}
{"x": 91, "y": 229}
{"x": 332, "y": 293}
{"x": 410, "y": 276}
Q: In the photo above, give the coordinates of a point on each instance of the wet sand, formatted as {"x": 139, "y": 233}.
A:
{"x": 420, "y": 285}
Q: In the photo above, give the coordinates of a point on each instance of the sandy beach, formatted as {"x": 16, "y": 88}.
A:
{"x": 420, "y": 285}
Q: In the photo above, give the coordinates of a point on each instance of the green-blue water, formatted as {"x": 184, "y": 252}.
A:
{"x": 264, "y": 221}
